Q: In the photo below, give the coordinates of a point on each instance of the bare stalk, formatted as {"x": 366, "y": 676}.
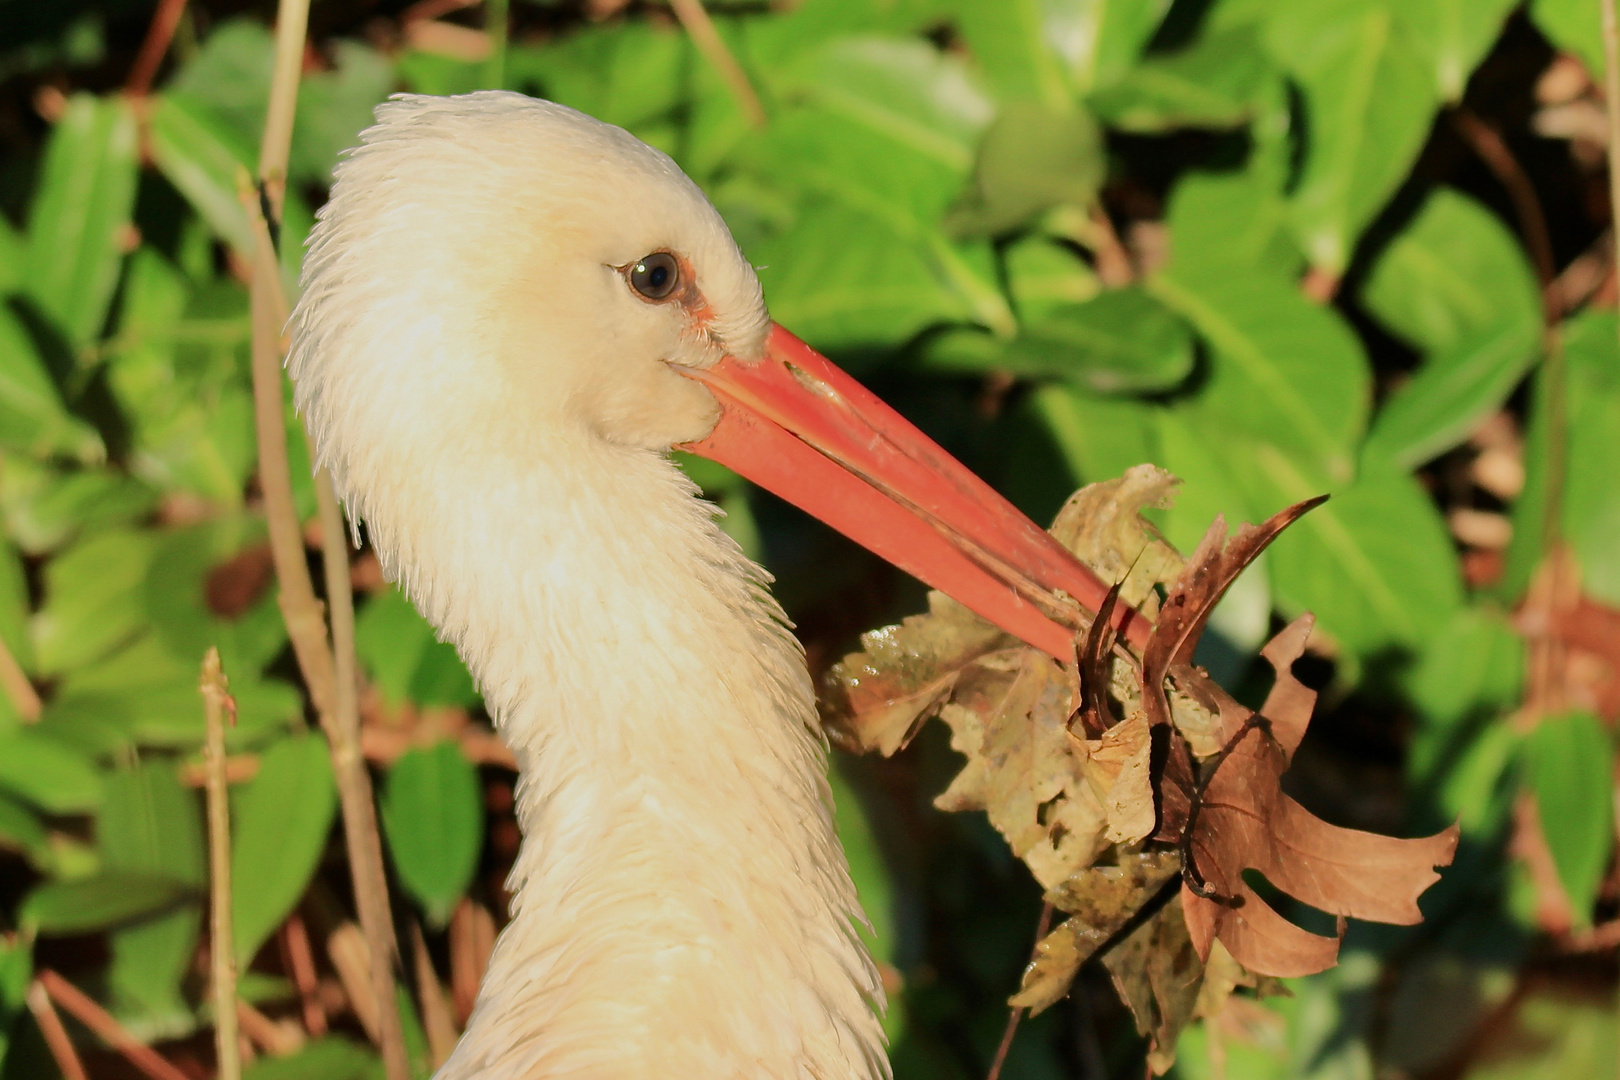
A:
{"x": 1042, "y": 925}
{"x": 153, "y": 49}
{"x": 148, "y": 1061}
{"x": 57, "y": 1039}
{"x": 695, "y": 17}
{"x": 302, "y": 611}
{"x": 496, "y": 20}
{"x": 217, "y": 704}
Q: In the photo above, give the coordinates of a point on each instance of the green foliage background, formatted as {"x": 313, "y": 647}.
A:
{"x": 1318, "y": 289}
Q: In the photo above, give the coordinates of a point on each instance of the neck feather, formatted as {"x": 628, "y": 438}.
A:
{"x": 680, "y": 904}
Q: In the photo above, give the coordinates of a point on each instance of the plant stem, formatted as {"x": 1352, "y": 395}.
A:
{"x": 300, "y": 609}
{"x": 217, "y": 704}
{"x": 695, "y": 17}
{"x": 153, "y": 49}
{"x": 148, "y": 1061}
{"x": 1611, "y": 97}
{"x": 57, "y": 1039}
{"x": 1042, "y": 925}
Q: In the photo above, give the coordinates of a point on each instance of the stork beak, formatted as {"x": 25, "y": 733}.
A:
{"x": 799, "y": 427}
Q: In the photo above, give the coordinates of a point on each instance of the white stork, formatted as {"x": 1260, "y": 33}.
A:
{"x": 511, "y": 313}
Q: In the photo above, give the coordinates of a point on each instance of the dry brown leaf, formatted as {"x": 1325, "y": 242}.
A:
{"x": 1102, "y": 524}
{"x": 1158, "y": 972}
{"x": 1009, "y": 716}
{"x": 1117, "y": 766}
{"x": 1101, "y": 900}
{"x": 877, "y": 698}
{"x": 1244, "y": 821}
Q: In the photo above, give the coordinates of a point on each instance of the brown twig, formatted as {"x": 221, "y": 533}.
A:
{"x": 300, "y": 609}
{"x": 18, "y": 689}
{"x": 299, "y": 957}
{"x": 436, "y": 1019}
{"x": 108, "y": 1029}
{"x": 57, "y": 1039}
{"x": 278, "y": 1038}
{"x": 155, "y": 47}
{"x": 472, "y": 937}
{"x": 1042, "y": 925}
{"x": 695, "y": 17}
{"x": 1493, "y": 150}
{"x": 217, "y": 704}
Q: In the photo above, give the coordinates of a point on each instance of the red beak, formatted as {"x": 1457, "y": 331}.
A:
{"x": 799, "y": 427}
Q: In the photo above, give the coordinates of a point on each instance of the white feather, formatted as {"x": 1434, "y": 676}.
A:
{"x": 495, "y": 405}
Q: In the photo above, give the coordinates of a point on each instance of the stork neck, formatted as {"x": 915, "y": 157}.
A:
{"x": 680, "y": 906}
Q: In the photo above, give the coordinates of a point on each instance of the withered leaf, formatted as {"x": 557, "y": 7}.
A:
{"x": 1244, "y": 821}
{"x": 1208, "y": 573}
{"x": 1102, "y": 524}
{"x": 1117, "y": 766}
{"x": 877, "y": 698}
{"x": 1159, "y": 973}
{"x": 1009, "y": 716}
{"x": 1101, "y": 900}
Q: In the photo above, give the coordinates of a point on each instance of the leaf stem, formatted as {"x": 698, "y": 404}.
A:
{"x": 57, "y": 1039}
{"x": 695, "y": 17}
{"x": 148, "y": 1061}
{"x": 154, "y": 47}
{"x": 497, "y": 27}
{"x": 217, "y": 704}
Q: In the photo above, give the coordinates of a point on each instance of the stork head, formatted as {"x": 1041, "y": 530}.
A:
{"x": 493, "y": 273}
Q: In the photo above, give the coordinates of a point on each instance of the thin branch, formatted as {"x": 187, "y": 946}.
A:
{"x": 217, "y": 704}
{"x": 1611, "y": 96}
{"x": 701, "y": 28}
{"x": 300, "y": 960}
{"x": 19, "y": 690}
{"x": 348, "y": 761}
{"x": 108, "y": 1029}
{"x": 57, "y": 1039}
{"x": 1042, "y": 925}
{"x": 1493, "y": 150}
{"x": 155, "y": 47}
{"x": 300, "y": 609}
{"x": 436, "y": 1019}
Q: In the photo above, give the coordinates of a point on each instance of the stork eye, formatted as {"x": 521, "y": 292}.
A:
{"x": 655, "y": 276}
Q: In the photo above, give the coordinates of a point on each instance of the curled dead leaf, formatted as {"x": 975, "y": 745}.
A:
{"x": 1243, "y": 821}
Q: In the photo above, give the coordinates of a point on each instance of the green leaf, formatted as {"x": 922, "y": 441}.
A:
{"x": 1283, "y": 370}
{"x": 1214, "y": 83}
{"x": 165, "y": 713}
{"x": 151, "y": 824}
{"x": 1375, "y": 563}
{"x": 48, "y": 773}
{"x": 206, "y": 160}
{"x": 1042, "y": 275}
{"x": 628, "y": 73}
{"x": 1571, "y": 770}
{"x": 1122, "y": 341}
{"x": 1047, "y": 51}
{"x": 281, "y": 821}
{"x": 331, "y": 1058}
{"x": 1574, "y": 26}
{"x": 1453, "y": 36}
{"x": 22, "y": 831}
{"x": 404, "y": 656}
{"x": 1453, "y": 272}
{"x": 230, "y": 76}
{"x": 45, "y": 507}
{"x": 1219, "y": 222}
{"x": 77, "y": 227}
{"x": 13, "y": 258}
{"x": 1452, "y": 392}
{"x": 1369, "y": 102}
{"x": 102, "y": 902}
{"x": 1031, "y": 159}
{"x": 92, "y": 598}
{"x": 334, "y": 106}
{"x": 433, "y": 817}
{"x": 33, "y": 419}
{"x": 1098, "y": 437}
